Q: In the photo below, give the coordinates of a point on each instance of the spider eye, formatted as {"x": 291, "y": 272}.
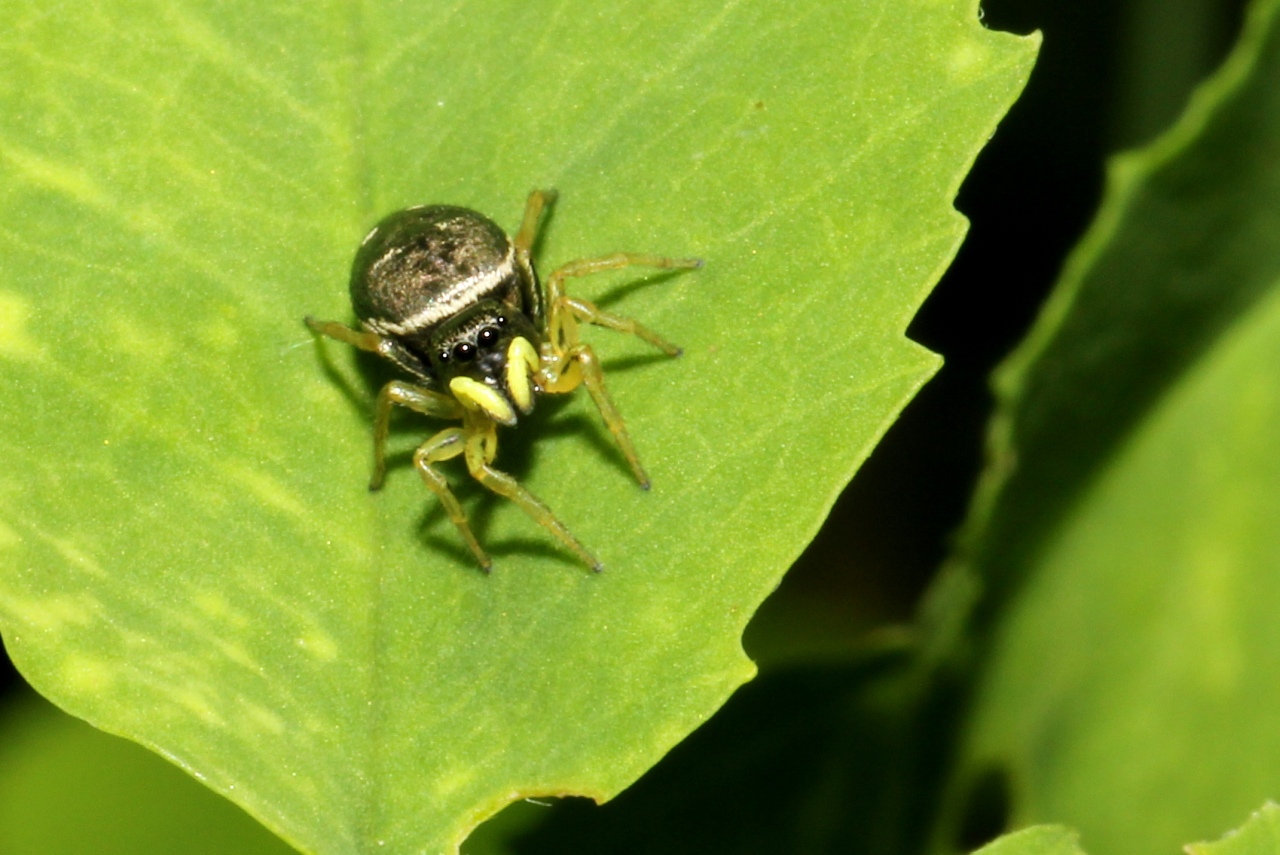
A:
{"x": 444, "y": 356}
{"x": 501, "y": 320}
{"x": 464, "y": 351}
{"x": 487, "y": 337}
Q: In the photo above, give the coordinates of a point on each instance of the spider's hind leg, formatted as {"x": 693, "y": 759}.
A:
{"x": 533, "y": 207}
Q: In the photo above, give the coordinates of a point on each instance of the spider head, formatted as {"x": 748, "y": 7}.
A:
{"x": 485, "y": 356}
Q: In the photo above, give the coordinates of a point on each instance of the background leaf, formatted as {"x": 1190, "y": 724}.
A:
{"x": 1259, "y": 836}
{"x": 67, "y": 788}
{"x": 1037, "y": 840}
{"x": 191, "y": 558}
{"x": 1127, "y": 532}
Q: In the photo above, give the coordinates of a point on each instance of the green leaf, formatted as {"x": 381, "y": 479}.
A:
{"x": 1259, "y": 836}
{"x": 67, "y": 789}
{"x": 1127, "y": 533}
{"x": 191, "y": 558}
{"x": 1037, "y": 840}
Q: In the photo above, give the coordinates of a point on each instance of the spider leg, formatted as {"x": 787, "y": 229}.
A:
{"x": 522, "y": 245}
{"x": 590, "y": 313}
{"x": 533, "y": 207}
{"x": 562, "y": 325}
{"x": 369, "y": 341}
{"x": 387, "y": 348}
{"x": 481, "y": 446}
{"x": 581, "y": 366}
{"x": 568, "y": 363}
{"x": 416, "y": 398}
{"x": 447, "y": 444}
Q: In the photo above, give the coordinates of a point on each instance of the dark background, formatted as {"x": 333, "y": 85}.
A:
{"x": 1111, "y": 74}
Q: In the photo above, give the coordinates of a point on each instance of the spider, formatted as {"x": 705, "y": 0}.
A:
{"x": 448, "y": 297}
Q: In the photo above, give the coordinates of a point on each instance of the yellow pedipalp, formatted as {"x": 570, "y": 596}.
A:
{"x": 522, "y": 360}
{"x": 475, "y": 395}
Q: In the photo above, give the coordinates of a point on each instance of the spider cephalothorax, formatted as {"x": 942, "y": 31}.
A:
{"x": 443, "y": 293}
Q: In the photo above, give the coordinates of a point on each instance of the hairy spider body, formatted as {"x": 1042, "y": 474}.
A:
{"x": 447, "y": 296}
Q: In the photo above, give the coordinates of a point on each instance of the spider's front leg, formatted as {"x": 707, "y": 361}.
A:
{"x": 564, "y": 311}
{"x": 569, "y": 363}
{"x": 416, "y": 398}
{"x": 578, "y": 366}
{"x": 445, "y": 445}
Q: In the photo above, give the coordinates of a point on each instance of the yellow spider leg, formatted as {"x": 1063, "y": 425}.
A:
{"x": 447, "y": 444}
{"x": 560, "y": 374}
{"x": 587, "y": 366}
{"x": 481, "y": 443}
{"x": 416, "y": 398}
{"x": 369, "y": 341}
{"x": 561, "y": 326}
{"x": 533, "y": 207}
{"x": 592, "y": 314}
{"x": 363, "y": 340}
{"x": 571, "y": 363}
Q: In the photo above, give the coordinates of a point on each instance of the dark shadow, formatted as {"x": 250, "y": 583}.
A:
{"x": 816, "y": 760}
{"x": 9, "y": 679}
{"x": 985, "y": 815}
{"x": 624, "y": 290}
{"x": 358, "y": 398}
{"x": 622, "y": 364}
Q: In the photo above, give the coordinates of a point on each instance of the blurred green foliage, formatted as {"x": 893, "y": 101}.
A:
{"x": 68, "y": 788}
{"x": 1126, "y": 530}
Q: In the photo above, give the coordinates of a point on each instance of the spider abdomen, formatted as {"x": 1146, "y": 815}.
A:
{"x": 420, "y": 266}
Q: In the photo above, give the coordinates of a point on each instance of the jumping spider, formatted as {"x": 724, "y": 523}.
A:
{"x": 448, "y": 297}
